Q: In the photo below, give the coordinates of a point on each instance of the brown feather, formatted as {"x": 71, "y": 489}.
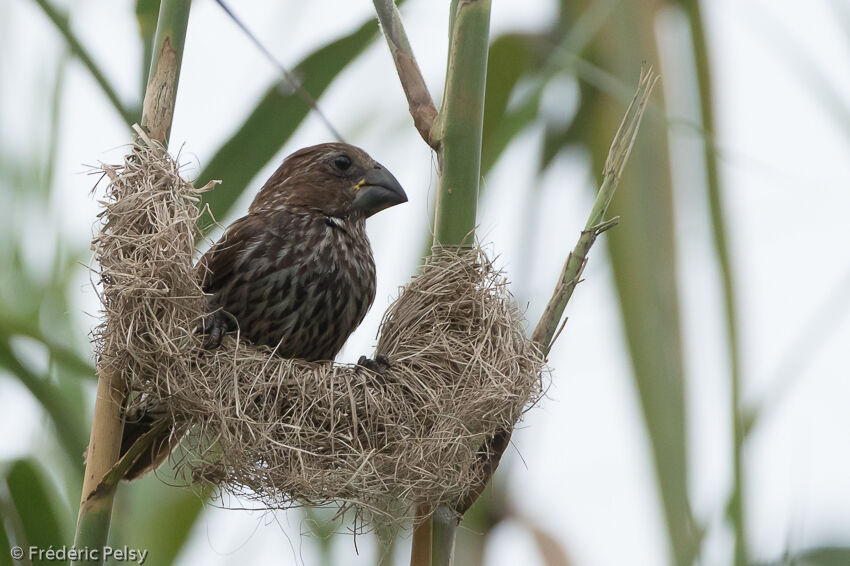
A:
{"x": 296, "y": 273}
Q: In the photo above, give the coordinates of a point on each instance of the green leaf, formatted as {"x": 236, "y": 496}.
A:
{"x": 34, "y": 503}
{"x": 480, "y": 521}
{"x": 5, "y": 557}
{"x": 63, "y": 26}
{"x": 643, "y": 256}
{"x": 275, "y": 119}
{"x": 67, "y": 418}
{"x": 823, "y": 556}
{"x": 512, "y": 123}
{"x": 580, "y": 24}
{"x": 826, "y": 556}
{"x": 70, "y": 361}
{"x": 720, "y": 238}
{"x": 558, "y": 138}
{"x": 510, "y": 57}
{"x": 155, "y": 516}
{"x": 323, "y": 528}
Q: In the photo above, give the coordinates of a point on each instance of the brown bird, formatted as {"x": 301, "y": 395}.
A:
{"x": 296, "y": 273}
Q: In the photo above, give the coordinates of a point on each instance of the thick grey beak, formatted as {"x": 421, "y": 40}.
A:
{"x": 378, "y": 190}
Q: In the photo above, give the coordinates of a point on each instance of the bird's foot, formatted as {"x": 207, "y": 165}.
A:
{"x": 216, "y": 325}
{"x": 380, "y": 365}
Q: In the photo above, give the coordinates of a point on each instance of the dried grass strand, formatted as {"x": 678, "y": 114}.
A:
{"x": 288, "y": 432}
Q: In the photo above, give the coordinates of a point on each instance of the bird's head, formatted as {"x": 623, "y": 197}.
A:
{"x": 336, "y": 179}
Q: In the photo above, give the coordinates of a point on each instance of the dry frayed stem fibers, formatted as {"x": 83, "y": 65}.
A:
{"x": 289, "y": 432}
{"x": 621, "y": 147}
{"x": 419, "y": 100}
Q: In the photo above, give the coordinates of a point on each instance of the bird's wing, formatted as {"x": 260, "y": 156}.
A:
{"x": 221, "y": 264}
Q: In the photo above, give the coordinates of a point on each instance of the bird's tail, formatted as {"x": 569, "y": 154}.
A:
{"x": 136, "y": 424}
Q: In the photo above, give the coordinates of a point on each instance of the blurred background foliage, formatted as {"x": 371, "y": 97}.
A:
{"x": 601, "y": 43}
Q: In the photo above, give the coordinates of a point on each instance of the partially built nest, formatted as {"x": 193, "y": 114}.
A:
{"x": 286, "y": 431}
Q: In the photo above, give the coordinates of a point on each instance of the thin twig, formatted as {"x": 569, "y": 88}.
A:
{"x": 618, "y": 155}
{"x": 287, "y": 75}
{"x": 107, "y": 425}
{"x": 547, "y": 328}
{"x": 419, "y": 100}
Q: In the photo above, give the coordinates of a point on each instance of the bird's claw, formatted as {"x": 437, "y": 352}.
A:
{"x": 216, "y": 325}
{"x": 380, "y": 365}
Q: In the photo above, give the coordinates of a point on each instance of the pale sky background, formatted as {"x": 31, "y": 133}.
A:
{"x": 585, "y": 470}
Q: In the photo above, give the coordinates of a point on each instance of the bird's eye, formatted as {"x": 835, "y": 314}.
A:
{"x": 342, "y": 162}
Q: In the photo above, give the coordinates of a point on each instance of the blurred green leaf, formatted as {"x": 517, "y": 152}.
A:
{"x": 579, "y": 24}
{"x": 320, "y": 521}
{"x": 827, "y": 556}
{"x": 540, "y": 56}
{"x": 49, "y": 166}
{"x": 34, "y": 500}
{"x": 480, "y": 520}
{"x": 510, "y": 57}
{"x": 37, "y": 309}
{"x": 5, "y": 557}
{"x": 17, "y": 294}
{"x": 155, "y": 516}
{"x": 720, "y": 238}
{"x": 823, "y": 556}
{"x": 643, "y": 258}
{"x": 275, "y": 119}
{"x": 841, "y": 9}
{"x": 63, "y": 26}
{"x": 69, "y": 359}
{"x": 67, "y": 419}
{"x": 513, "y": 122}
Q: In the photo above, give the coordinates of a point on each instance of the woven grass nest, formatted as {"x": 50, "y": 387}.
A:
{"x": 289, "y": 432}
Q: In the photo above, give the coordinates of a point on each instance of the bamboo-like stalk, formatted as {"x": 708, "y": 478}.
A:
{"x": 459, "y": 128}
{"x": 161, "y": 92}
{"x": 101, "y": 475}
{"x": 460, "y": 124}
{"x": 104, "y": 447}
{"x": 456, "y": 136}
{"x": 423, "y": 535}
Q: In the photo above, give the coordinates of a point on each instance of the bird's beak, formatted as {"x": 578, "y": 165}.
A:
{"x": 378, "y": 190}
